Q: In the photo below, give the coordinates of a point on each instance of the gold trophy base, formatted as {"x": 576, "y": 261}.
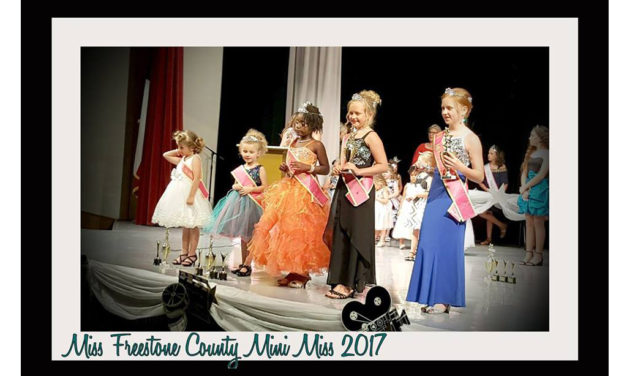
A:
{"x": 502, "y": 278}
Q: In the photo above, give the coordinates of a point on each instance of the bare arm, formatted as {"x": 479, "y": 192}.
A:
{"x": 386, "y": 196}
{"x": 323, "y": 168}
{"x": 426, "y": 194}
{"x": 323, "y": 161}
{"x": 380, "y": 159}
{"x": 196, "y": 169}
{"x": 544, "y": 170}
{"x": 475, "y": 152}
{"x": 172, "y": 156}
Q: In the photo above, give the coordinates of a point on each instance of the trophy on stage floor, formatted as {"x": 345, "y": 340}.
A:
{"x": 447, "y": 144}
{"x": 222, "y": 274}
{"x": 157, "y": 260}
{"x": 167, "y": 247}
{"x": 502, "y": 270}
{"x": 491, "y": 263}
{"x": 512, "y": 277}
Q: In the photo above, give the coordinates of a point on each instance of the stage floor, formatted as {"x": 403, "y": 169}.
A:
{"x": 490, "y": 306}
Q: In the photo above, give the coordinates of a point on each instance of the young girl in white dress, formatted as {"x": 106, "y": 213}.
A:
{"x": 424, "y": 176}
{"x": 404, "y": 226}
{"x": 185, "y": 200}
{"x": 395, "y": 185}
{"x": 382, "y": 209}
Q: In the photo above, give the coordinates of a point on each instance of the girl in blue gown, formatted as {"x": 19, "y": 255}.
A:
{"x": 438, "y": 276}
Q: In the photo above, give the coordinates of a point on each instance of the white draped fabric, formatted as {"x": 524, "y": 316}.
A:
{"x": 135, "y": 293}
{"x": 483, "y": 201}
{"x": 508, "y": 202}
{"x": 315, "y": 74}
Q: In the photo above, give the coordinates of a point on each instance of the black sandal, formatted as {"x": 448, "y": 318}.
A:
{"x": 339, "y": 295}
{"x": 234, "y": 271}
{"x": 192, "y": 260}
{"x": 240, "y": 273}
{"x": 180, "y": 259}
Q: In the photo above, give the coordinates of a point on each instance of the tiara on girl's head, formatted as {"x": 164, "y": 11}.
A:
{"x": 357, "y": 97}
{"x": 452, "y": 92}
{"x": 394, "y": 160}
{"x": 250, "y": 139}
{"x": 303, "y": 109}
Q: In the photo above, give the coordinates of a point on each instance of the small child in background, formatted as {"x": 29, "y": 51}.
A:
{"x": 382, "y": 209}
{"x": 425, "y": 166}
{"x": 404, "y": 226}
{"x": 289, "y": 134}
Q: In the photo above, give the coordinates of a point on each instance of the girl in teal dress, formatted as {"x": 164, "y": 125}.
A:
{"x": 534, "y": 194}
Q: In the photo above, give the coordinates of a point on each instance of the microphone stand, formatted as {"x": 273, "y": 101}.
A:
{"x": 212, "y": 154}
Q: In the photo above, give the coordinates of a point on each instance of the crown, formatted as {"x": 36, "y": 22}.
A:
{"x": 303, "y": 109}
{"x": 357, "y": 97}
{"x": 453, "y": 93}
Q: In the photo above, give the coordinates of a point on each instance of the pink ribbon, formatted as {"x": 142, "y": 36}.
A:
{"x": 461, "y": 209}
{"x": 245, "y": 180}
{"x": 358, "y": 188}
{"x": 190, "y": 174}
{"x": 309, "y": 182}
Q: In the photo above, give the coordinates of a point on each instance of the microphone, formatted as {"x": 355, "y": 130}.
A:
{"x": 213, "y": 152}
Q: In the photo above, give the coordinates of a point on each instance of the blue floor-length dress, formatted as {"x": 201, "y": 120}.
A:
{"x": 438, "y": 274}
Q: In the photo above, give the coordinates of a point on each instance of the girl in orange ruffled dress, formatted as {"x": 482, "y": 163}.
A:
{"x": 288, "y": 237}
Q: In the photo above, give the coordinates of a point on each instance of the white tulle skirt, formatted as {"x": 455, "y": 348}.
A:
{"x": 172, "y": 209}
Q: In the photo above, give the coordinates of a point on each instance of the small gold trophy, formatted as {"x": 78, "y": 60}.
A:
{"x": 512, "y": 276}
{"x": 495, "y": 274}
{"x": 222, "y": 274}
{"x": 351, "y": 148}
{"x": 157, "y": 260}
{"x": 211, "y": 260}
{"x": 447, "y": 145}
{"x": 503, "y": 271}
{"x": 489, "y": 266}
{"x": 167, "y": 249}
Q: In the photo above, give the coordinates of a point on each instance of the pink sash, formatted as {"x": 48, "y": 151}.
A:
{"x": 190, "y": 174}
{"x": 243, "y": 178}
{"x": 358, "y": 188}
{"x": 309, "y": 182}
{"x": 461, "y": 209}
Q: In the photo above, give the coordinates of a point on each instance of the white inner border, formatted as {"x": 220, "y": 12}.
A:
{"x": 69, "y": 35}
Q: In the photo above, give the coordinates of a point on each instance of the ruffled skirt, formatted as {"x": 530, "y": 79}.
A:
{"x": 288, "y": 237}
{"x": 172, "y": 209}
{"x": 234, "y": 216}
